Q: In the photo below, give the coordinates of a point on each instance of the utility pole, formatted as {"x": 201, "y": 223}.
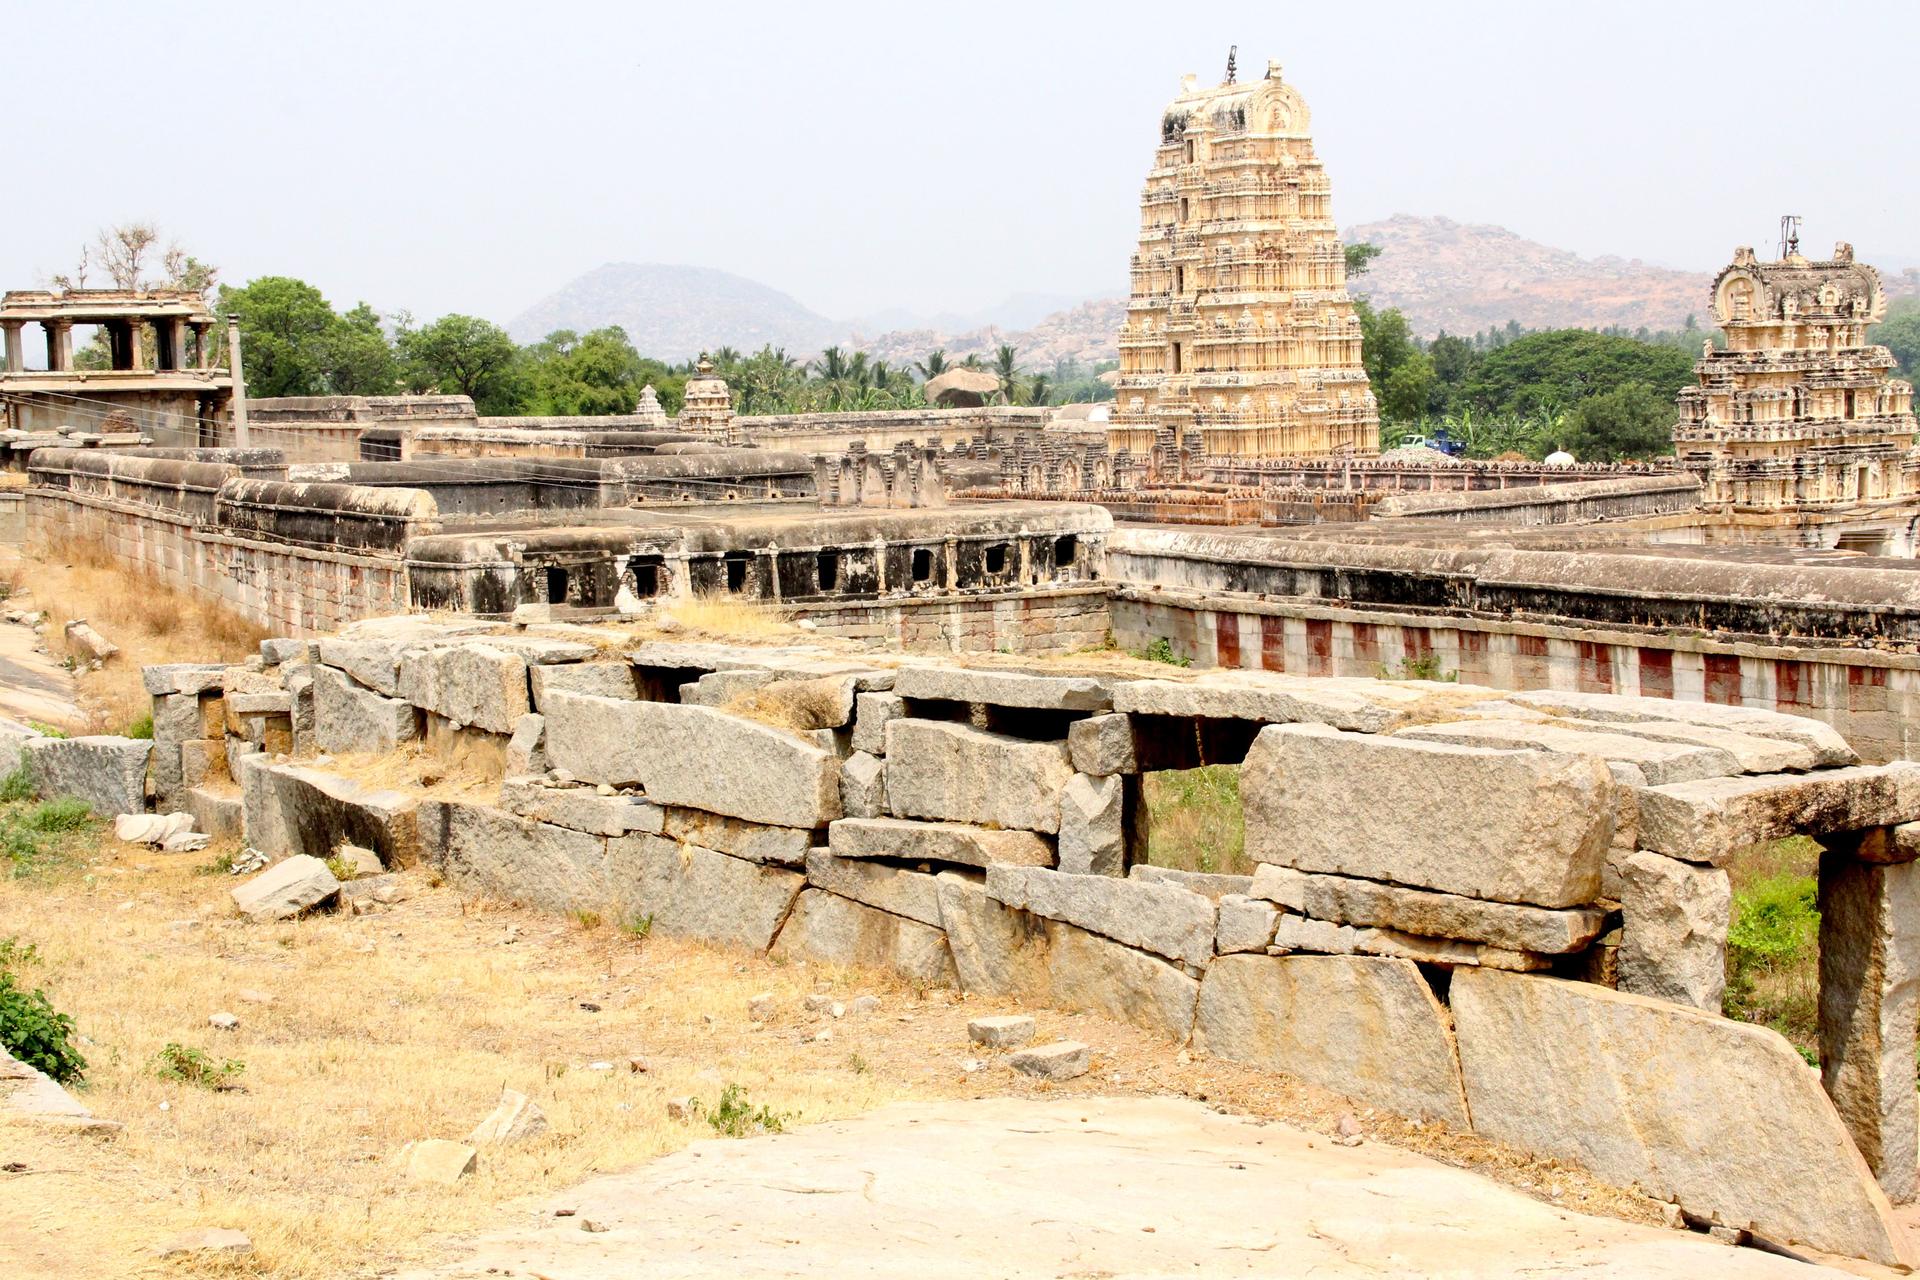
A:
{"x": 239, "y": 382}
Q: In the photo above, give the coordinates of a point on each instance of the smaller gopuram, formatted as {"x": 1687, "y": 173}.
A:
{"x": 706, "y": 405}
{"x": 1798, "y": 411}
{"x": 159, "y": 370}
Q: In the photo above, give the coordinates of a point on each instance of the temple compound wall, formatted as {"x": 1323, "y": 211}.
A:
{"x": 1501, "y": 914}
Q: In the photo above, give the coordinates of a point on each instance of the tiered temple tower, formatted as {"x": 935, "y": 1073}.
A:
{"x": 1798, "y": 411}
{"x": 706, "y": 404}
{"x": 1240, "y": 326}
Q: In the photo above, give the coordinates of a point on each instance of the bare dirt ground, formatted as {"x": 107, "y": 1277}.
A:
{"x": 359, "y": 1033}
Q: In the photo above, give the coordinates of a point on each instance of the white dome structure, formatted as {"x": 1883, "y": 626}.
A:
{"x": 1560, "y": 458}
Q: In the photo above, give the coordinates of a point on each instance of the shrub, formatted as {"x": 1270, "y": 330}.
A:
{"x": 1772, "y": 955}
{"x": 1161, "y": 650}
{"x": 30, "y": 1028}
{"x": 46, "y": 730}
{"x": 195, "y": 1067}
{"x": 734, "y": 1117}
{"x": 141, "y": 728}
{"x": 1424, "y": 667}
{"x": 51, "y": 817}
{"x": 16, "y": 786}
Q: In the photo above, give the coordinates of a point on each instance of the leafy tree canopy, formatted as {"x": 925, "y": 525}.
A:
{"x": 465, "y": 355}
{"x": 1560, "y": 368}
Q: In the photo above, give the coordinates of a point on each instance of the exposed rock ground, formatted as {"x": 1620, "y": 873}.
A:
{"x": 1081, "y": 1187}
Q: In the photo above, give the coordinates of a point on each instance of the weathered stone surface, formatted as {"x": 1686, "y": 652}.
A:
{"x": 109, "y": 773}
{"x": 1295, "y": 933}
{"x": 291, "y": 808}
{"x": 833, "y": 930}
{"x": 1060, "y": 1060}
{"x": 1366, "y": 1027}
{"x": 14, "y": 737}
{"x": 176, "y": 717}
{"x": 1246, "y": 924}
{"x": 953, "y": 842}
{"x": 913, "y": 894}
{"x": 872, "y": 712}
{"x": 601, "y": 679}
{"x": 754, "y": 841}
{"x": 1003, "y": 688}
{"x": 1282, "y": 885}
{"x": 1103, "y": 745}
{"x": 1212, "y": 884}
{"x": 863, "y": 786}
{"x": 718, "y": 688}
{"x": 1001, "y": 1031}
{"x": 272, "y": 702}
{"x": 1721, "y": 1116}
{"x": 348, "y": 717}
{"x": 699, "y": 893}
{"x": 374, "y": 663}
{"x": 1003, "y": 952}
{"x": 438, "y": 1162}
{"x": 284, "y": 649}
{"x": 527, "y": 748}
{"x": 546, "y": 866}
{"x": 202, "y": 762}
{"x": 674, "y": 751}
{"x": 1093, "y": 837}
{"x": 514, "y": 1121}
{"x": 1324, "y": 937}
{"x": 1659, "y": 762}
{"x": 478, "y": 684}
{"x": 1707, "y": 821}
{"x": 30, "y": 1095}
{"x": 1870, "y": 1010}
{"x": 1829, "y": 747}
{"x": 1511, "y": 826}
{"x": 580, "y": 809}
{"x": 218, "y": 814}
{"x": 286, "y": 888}
{"x": 1674, "y": 935}
{"x": 183, "y": 677}
{"x": 1162, "y": 918}
{"x": 1753, "y": 753}
{"x": 1365, "y": 706}
{"x": 954, "y": 772}
{"x": 1445, "y": 915}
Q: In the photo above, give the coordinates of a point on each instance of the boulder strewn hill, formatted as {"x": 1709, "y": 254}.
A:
{"x": 674, "y": 312}
{"x": 1464, "y": 277}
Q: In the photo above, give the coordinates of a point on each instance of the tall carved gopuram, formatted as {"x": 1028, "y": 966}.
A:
{"x": 1239, "y": 326}
{"x": 1798, "y": 411}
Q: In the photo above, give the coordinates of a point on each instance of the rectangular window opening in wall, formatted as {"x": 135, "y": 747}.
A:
{"x": 1065, "y": 548}
{"x": 922, "y": 565}
{"x": 556, "y": 584}
{"x": 996, "y": 558}
{"x": 736, "y": 562}
{"x": 1194, "y": 820}
{"x": 644, "y": 573}
{"x": 828, "y": 562}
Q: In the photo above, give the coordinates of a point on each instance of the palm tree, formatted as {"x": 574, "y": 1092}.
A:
{"x": 1006, "y": 367}
{"x": 934, "y": 365}
{"x": 832, "y": 364}
{"x": 1039, "y": 389}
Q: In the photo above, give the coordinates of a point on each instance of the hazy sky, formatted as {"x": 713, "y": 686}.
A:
{"x": 475, "y": 156}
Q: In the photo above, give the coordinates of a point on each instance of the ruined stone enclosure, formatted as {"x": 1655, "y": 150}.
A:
{"x": 1502, "y": 913}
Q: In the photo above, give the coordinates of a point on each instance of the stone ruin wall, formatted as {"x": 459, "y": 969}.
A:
{"x": 1507, "y": 914}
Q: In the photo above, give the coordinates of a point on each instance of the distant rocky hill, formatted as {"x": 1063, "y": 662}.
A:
{"x": 1463, "y": 278}
{"x": 1087, "y": 333}
{"x": 674, "y": 313}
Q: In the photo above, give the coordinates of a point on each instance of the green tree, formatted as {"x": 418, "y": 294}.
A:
{"x": 1360, "y": 258}
{"x": 359, "y": 359}
{"x": 1900, "y": 334}
{"x": 466, "y": 355}
{"x": 1631, "y": 421}
{"x": 1006, "y": 367}
{"x": 1402, "y": 375}
{"x": 1560, "y": 368}
{"x": 934, "y": 365}
{"x": 286, "y": 335}
{"x": 596, "y": 374}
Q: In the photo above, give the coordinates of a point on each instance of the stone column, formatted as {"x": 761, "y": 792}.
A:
{"x": 136, "y": 338}
{"x": 1675, "y": 917}
{"x": 16, "y": 354}
{"x": 59, "y": 344}
{"x": 1870, "y": 1006}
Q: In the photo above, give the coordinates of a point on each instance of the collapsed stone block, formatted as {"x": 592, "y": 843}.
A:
{"x": 285, "y": 889}
{"x": 470, "y": 684}
{"x": 109, "y": 773}
{"x": 1426, "y": 913}
{"x": 527, "y": 748}
{"x": 1093, "y": 831}
{"x": 1003, "y": 688}
{"x": 1509, "y": 826}
{"x": 1870, "y": 1010}
{"x": 833, "y": 930}
{"x": 1674, "y": 936}
{"x": 693, "y": 892}
{"x": 1060, "y": 1060}
{"x": 291, "y": 808}
{"x": 863, "y": 786}
{"x": 348, "y": 717}
{"x": 601, "y": 679}
{"x": 873, "y": 711}
{"x": 754, "y": 841}
{"x": 1646, "y": 1093}
{"x": 1707, "y": 821}
{"x": 1161, "y": 918}
{"x": 913, "y": 894}
{"x": 516, "y": 1119}
{"x": 954, "y": 772}
{"x": 1103, "y": 745}
{"x": 193, "y": 678}
{"x": 1000, "y": 951}
{"x": 1366, "y": 1027}
{"x": 952, "y": 842}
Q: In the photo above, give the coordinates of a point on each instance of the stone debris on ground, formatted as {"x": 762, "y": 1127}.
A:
{"x": 1060, "y": 1060}
{"x": 516, "y": 1119}
{"x": 1001, "y": 1031}
{"x": 286, "y": 889}
{"x": 437, "y": 1161}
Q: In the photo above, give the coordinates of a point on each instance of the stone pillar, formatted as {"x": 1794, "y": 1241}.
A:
{"x": 1870, "y": 1009}
{"x": 1674, "y": 918}
{"x": 136, "y": 339}
{"x": 59, "y": 344}
{"x": 16, "y": 354}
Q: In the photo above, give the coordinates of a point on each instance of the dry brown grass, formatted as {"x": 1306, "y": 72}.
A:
{"x": 1194, "y": 820}
{"x": 150, "y": 622}
{"x": 794, "y": 705}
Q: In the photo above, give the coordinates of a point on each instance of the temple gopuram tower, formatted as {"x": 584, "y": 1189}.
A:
{"x": 1240, "y": 327}
{"x": 1798, "y": 411}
